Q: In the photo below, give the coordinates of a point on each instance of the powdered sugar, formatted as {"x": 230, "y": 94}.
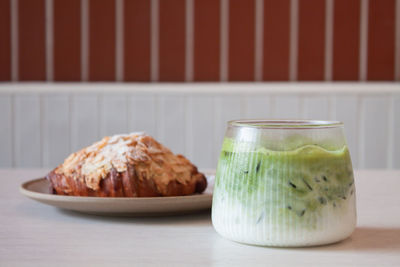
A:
{"x": 149, "y": 158}
{"x": 112, "y": 152}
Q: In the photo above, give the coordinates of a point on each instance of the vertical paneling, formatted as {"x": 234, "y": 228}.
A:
{"x": 206, "y": 40}
{"x": 137, "y": 40}
{"x": 347, "y": 110}
{"x": 171, "y": 119}
{"x": 346, "y": 41}
{"x": 67, "y": 40}
{"x": 40, "y": 130}
{"x": 226, "y": 108}
{"x": 201, "y": 131}
{"x": 381, "y": 40}
{"x": 276, "y": 40}
{"x": 56, "y": 129}
{"x": 172, "y": 40}
{"x": 258, "y": 107}
{"x": 396, "y": 133}
{"x": 31, "y": 40}
{"x": 286, "y": 107}
{"x": 102, "y": 40}
{"x": 241, "y": 40}
{"x": 5, "y": 40}
{"x": 84, "y": 121}
{"x": 375, "y": 130}
{"x": 114, "y": 111}
{"x": 28, "y": 131}
{"x": 6, "y": 133}
{"x": 311, "y": 46}
{"x": 142, "y": 114}
{"x": 316, "y": 108}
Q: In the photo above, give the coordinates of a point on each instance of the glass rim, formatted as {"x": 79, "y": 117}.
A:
{"x": 285, "y": 124}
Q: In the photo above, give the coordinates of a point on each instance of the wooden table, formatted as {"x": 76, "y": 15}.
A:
{"x": 34, "y": 234}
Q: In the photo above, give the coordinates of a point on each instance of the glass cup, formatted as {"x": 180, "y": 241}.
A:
{"x": 284, "y": 183}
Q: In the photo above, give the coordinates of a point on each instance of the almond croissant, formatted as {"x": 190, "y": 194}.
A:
{"x": 133, "y": 165}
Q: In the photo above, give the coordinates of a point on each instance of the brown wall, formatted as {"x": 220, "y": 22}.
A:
{"x": 199, "y": 40}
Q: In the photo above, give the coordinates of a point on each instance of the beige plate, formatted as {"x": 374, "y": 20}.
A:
{"x": 38, "y": 189}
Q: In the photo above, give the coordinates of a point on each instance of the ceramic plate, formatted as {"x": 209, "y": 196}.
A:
{"x": 38, "y": 189}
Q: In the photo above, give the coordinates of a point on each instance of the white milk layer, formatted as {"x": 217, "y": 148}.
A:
{"x": 246, "y": 223}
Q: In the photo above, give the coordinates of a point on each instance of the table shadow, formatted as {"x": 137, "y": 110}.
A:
{"x": 367, "y": 239}
{"x": 364, "y": 239}
{"x": 203, "y": 217}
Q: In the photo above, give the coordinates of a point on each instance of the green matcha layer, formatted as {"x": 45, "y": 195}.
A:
{"x": 307, "y": 178}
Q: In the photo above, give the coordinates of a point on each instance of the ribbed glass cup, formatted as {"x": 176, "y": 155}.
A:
{"x": 284, "y": 183}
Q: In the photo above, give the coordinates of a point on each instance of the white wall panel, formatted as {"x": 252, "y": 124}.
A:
{"x": 200, "y": 131}
{"x": 375, "y": 129}
{"x": 287, "y": 107}
{"x": 171, "y": 119}
{"x": 142, "y": 114}
{"x": 41, "y": 129}
{"x": 395, "y": 150}
{"x": 84, "y": 121}
{"x": 114, "y": 113}
{"x": 6, "y": 133}
{"x": 316, "y": 108}
{"x": 28, "y": 131}
{"x": 347, "y": 110}
{"x": 56, "y": 129}
{"x": 258, "y": 107}
{"x": 226, "y": 108}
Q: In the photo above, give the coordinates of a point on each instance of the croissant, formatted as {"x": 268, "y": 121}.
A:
{"x": 132, "y": 165}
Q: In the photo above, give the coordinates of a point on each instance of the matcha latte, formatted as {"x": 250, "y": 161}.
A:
{"x": 284, "y": 185}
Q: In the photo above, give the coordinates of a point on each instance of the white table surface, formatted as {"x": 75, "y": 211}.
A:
{"x": 34, "y": 234}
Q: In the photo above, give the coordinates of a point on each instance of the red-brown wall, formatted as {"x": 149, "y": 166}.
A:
{"x": 199, "y": 40}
